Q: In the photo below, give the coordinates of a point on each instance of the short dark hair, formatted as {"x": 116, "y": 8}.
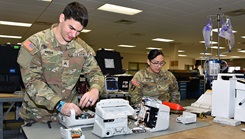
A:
{"x": 154, "y": 53}
{"x": 76, "y": 11}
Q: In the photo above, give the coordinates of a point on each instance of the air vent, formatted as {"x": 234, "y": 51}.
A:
{"x": 43, "y": 23}
{"x": 123, "y": 21}
{"x": 137, "y": 34}
{"x": 236, "y": 12}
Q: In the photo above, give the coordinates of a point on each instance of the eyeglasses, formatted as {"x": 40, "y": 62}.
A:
{"x": 162, "y": 63}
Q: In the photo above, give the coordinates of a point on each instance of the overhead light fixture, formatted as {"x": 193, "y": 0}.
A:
{"x": 241, "y": 51}
{"x": 211, "y": 42}
{"x": 119, "y": 9}
{"x": 235, "y": 56}
{"x": 205, "y": 53}
{"x": 181, "y": 55}
{"x": 107, "y": 49}
{"x": 243, "y": 37}
{"x": 181, "y": 51}
{"x": 12, "y": 37}
{"x": 151, "y": 48}
{"x": 85, "y": 30}
{"x": 128, "y": 46}
{"x": 203, "y": 57}
{"x": 216, "y": 30}
{"x": 216, "y": 47}
{"x": 222, "y": 55}
{"x": 15, "y": 24}
{"x": 162, "y": 40}
{"x": 46, "y": 0}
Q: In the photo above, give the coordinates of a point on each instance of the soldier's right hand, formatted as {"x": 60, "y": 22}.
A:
{"x": 66, "y": 109}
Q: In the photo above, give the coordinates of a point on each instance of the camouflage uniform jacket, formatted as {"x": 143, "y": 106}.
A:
{"x": 50, "y": 72}
{"x": 162, "y": 86}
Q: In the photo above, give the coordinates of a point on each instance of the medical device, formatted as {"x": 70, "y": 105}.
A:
{"x": 187, "y": 118}
{"x": 213, "y": 66}
{"x": 111, "y": 117}
{"x": 240, "y": 100}
{"x": 227, "y": 99}
{"x": 111, "y": 84}
{"x": 153, "y": 114}
{"x": 74, "y": 124}
{"x": 84, "y": 120}
{"x": 71, "y": 133}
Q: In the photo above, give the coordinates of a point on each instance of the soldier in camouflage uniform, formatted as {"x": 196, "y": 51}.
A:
{"x": 51, "y": 62}
{"x": 153, "y": 81}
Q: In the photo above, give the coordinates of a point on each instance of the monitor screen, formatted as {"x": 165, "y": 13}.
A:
{"x": 111, "y": 84}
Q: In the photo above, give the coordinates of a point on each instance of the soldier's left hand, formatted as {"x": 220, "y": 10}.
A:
{"x": 89, "y": 98}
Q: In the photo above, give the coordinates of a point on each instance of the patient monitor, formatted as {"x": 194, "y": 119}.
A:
{"x": 74, "y": 124}
{"x": 155, "y": 114}
{"x": 111, "y": 117}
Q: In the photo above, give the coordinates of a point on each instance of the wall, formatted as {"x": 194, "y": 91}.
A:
{"x": 142, "y": 58}
{"x": 185, "y": 61}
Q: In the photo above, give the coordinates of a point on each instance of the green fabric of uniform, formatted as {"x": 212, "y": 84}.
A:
{"x": 162, "y": 85}
{"x": 51, "y": 73}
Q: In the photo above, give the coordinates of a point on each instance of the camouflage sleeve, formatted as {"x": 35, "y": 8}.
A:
{"x": 31, "y": 72}
{"x": 92, "y": 72}
{"x": 174, "y": 93}
{"x": 135, "y": 89}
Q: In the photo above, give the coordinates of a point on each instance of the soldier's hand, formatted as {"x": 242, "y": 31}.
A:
{"x": 66, "y": 109}
{"x": 89, "y": 98}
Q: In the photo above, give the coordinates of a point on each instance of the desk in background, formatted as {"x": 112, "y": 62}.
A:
{"x": 7, "y": 98}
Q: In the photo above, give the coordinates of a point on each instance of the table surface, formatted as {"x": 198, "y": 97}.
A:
{"x": 209, "y": 130}
{"x": 214, "y": 131}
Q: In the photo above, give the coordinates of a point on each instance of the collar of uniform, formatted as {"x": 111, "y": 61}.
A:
{"x": 160, "y": 74}
{"x": 55, "y": 41}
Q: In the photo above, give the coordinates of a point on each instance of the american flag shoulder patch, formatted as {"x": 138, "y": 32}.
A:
{"x": 135, "y": 82}
{"x": 28, "y": 45}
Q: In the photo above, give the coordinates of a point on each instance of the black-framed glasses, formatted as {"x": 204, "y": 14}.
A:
{"x": 162, "y": 63}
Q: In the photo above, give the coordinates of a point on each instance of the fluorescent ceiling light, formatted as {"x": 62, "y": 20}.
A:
{"x": 181, "y": 55}
{"x": 216, "y": 30}
{"x": 222, "y": 55}
{"x": 235, "y": 56}
{"x": 212, "y": 42}
{"x": 128, "y": 46}
{"x": 107, "y": 49}
{"x": 243, "y": 37}
{"x": 85, "y": 30}
{"x": 15, "y": 24}
{"x": 181, "y": 51}
{"x": 162, "y": 40}
{"x": 119, "y": 9}
{"x": 241, "y": 51}
{"x": 151, "y": 48}
{"x": 216, "y": 47}
{"x": 8, "y": 36}
{"x": 206, "y": 54}
{"x": 47, "y": 0}
{"x": 203, "y": 57}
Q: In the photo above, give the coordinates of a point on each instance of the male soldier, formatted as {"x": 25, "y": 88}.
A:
{"x": 51, "y": 62}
